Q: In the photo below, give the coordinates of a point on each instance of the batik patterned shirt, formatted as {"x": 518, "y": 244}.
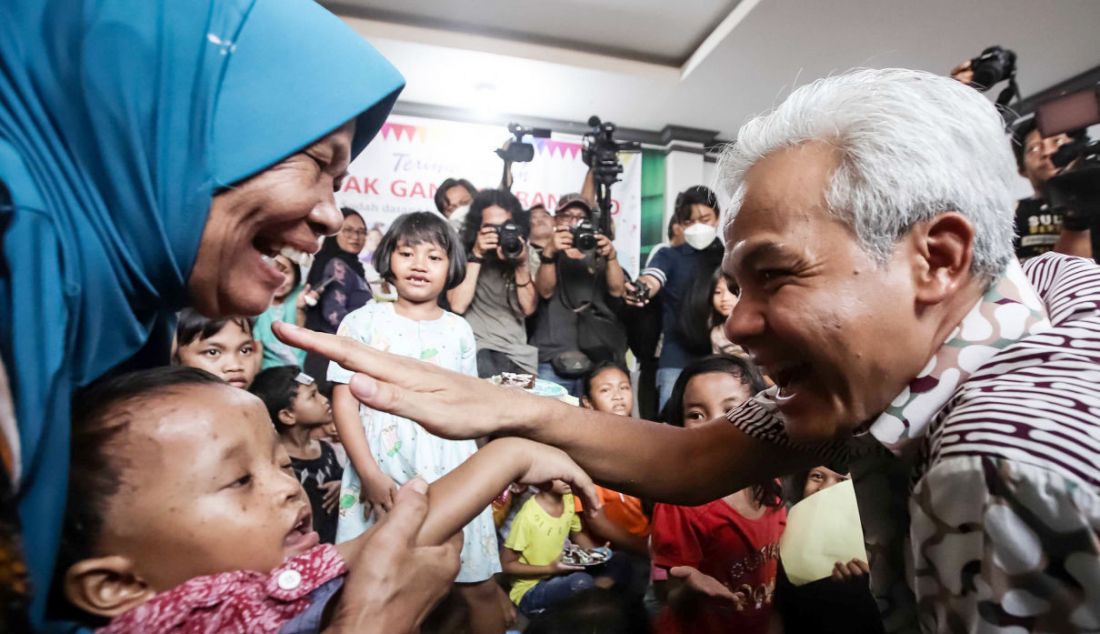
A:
{"x": 979, "y": 487}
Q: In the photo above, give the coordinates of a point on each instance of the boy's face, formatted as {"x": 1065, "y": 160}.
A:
{"x": 611, "y": 392}
{"x": 206, "y": 488}
{"x": 311, "y": 407}
{"x": 230, "y": 353}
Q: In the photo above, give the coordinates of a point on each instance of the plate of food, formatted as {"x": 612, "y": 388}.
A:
{"x": 531, "y": 384}
{"x": 576, "y": 556}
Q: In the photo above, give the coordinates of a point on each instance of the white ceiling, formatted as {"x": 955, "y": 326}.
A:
{"x": 637, "y": 29}
{"x": 709, "y": 64}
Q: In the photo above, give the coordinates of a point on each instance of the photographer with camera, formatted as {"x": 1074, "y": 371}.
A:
{"x": 679, "y": 274}
{"x": 499, "y": 291}
{"x": 578, "y": 280}
{"x": 1039, "y": 228}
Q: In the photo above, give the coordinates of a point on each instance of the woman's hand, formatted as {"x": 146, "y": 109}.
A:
{"x": 377, "y": 494}
{"x": 447, "y": 404}
{"x": 332, "y": 495}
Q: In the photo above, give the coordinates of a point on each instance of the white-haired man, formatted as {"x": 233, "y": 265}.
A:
{"x": 871, "y": 240}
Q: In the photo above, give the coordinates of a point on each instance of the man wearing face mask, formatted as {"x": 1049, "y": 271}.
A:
{"x": 677, "y": 273}
{"x": 453, "y": 199}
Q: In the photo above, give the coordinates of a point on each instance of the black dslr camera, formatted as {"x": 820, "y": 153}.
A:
{"x": 994, "y": 65}
{"x": 510, "y": 240}
{"x": 584, "y": 236}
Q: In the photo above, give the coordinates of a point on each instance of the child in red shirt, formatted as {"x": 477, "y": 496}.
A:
{"x": 715, "y": 565}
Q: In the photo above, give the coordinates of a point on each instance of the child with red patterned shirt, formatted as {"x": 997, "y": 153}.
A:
{"x": 185, "y": 514}
{"x": 715, "y": 565}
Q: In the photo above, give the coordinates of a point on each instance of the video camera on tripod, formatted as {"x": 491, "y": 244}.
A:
{"x": 516, "y": 150}
{"x": 600, "y": 152}
{"x": 1075, "y": 191}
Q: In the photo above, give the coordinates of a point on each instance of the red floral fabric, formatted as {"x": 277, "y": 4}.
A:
{"x": 238, "y": 601}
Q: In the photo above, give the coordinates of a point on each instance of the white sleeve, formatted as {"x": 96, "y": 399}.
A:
{"x": 356, "y": 326}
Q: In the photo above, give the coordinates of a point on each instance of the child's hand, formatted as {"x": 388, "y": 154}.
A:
{"x": 377, "y": 495}
{"x": 847, "y": 571}
{"x": 545, "y": 463}
{"x": 701, "y": 583}
{"x": 560, "y": 567}
{"x": 331, "y": 496}
{"x": 308, "y": 297}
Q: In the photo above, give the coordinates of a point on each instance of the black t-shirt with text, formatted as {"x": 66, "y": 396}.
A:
{"x": 1037, "y": 228}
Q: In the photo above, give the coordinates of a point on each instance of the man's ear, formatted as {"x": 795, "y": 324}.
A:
{"x": 585, "y": 403}
{"x": 944, "y": 248}
{"x": 105, "y": 586}
{"x": 286, "y": 417}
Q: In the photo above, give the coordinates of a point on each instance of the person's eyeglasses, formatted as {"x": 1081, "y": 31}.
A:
{"x": 571, "y": 218}
{"x": 354, "y": 233}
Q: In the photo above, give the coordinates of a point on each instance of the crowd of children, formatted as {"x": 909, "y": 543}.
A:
{"x": 248, "y": 474}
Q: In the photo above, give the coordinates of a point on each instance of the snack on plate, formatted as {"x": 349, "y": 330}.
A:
{"x": 574, "y": 555}
{"x": 532, "y": 385}
{"x": 511, "y": 379}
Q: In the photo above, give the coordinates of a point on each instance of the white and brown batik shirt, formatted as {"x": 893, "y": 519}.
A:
{"x": 979, "y": 487}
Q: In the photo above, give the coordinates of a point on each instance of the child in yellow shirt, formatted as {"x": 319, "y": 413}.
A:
{"x": 533, "y": 551}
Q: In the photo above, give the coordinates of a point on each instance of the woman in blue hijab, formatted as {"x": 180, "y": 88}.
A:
{"x": 155, "y": 154}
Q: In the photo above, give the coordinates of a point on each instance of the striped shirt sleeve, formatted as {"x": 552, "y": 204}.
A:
{"x": 759, "y": 418}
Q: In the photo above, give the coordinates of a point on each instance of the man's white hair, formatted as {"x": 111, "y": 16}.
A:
{"x": 912, "y": 145}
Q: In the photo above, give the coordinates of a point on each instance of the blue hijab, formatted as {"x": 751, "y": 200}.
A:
{"x": 119, "y": 120}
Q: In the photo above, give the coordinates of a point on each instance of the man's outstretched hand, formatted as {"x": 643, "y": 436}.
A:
{"x": 446, "y": 403}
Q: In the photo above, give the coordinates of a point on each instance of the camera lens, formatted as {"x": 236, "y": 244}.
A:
{"x": 511, "y": 244}
{"x": 584, "y": 236}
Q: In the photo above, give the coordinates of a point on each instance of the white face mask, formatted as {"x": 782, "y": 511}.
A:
{"x": 459, "y": 214}
{"x": 700, "y": 235}
{"x": 458, "y": 218}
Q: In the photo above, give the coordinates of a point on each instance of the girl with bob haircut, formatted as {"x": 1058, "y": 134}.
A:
{"x": 420, "y": 256}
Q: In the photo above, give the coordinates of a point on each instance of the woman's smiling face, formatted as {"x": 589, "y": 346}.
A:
{"x": 290, "y": 204}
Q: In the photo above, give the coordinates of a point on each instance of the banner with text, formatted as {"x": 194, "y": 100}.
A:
{"x": 402, "y": 167}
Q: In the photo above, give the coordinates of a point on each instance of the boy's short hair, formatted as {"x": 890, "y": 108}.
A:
{"x": 416, "y": 228}
{"x": 277, "y": 387}
{"x": 195, "y": 326}
{"x": 694, "y": 195}
{"x": 101, "y": 413}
